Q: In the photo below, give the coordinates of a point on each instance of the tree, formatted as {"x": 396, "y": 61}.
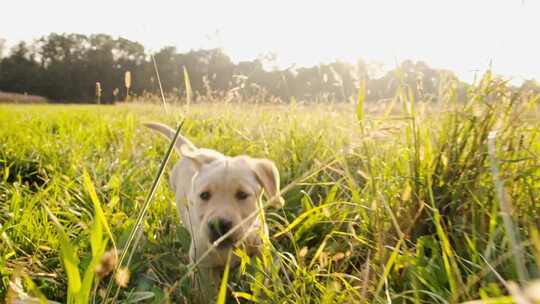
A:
{"x": 19, "y": 72}
{"x": 2, "y": 47}
{"x": 66, "y": 67}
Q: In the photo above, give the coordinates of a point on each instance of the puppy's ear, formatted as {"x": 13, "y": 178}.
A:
{"x": 199, "y": 157}
{"x": 268, "y": 176}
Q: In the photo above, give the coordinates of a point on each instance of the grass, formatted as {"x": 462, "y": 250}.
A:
{"x": 21, "y": 98}
{"x": 384, "y": 203}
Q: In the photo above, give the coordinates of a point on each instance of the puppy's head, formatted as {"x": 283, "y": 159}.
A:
{"x": 225, "y": 194}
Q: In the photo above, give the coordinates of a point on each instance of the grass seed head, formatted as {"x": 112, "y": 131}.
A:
{"x": 107, "y": 264}
{"x": 127, "y": 79}
{"x": 122, "y": 277}
{"x": 98, "y": 90}
{"x": 303, "y": 252}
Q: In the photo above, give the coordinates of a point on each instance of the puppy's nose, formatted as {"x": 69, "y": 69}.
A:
{"x": 218, "y": 227}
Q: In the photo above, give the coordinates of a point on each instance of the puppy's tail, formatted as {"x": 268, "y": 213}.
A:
{"x": 169, "y": 133}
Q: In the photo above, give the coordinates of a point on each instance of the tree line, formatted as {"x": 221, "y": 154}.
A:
{"x": 66, "y": 68}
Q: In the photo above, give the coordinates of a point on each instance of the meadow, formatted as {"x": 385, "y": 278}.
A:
{"x": 395, "y": 202}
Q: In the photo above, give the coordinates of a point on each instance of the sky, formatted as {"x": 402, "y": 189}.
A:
{"x": 466, "y": 36}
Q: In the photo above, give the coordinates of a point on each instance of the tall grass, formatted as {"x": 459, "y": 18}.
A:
{"x": 384, "y": 203}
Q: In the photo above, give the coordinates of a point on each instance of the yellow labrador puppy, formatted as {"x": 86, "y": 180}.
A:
{"x": 218, "y": 198}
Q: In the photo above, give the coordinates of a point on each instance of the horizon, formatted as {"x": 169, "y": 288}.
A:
{"x": 388, "y": 32}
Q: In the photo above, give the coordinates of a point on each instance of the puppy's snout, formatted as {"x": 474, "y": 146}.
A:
{"x": 218, "y": 227}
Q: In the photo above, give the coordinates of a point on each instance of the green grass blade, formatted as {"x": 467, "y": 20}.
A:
{"x": 222, "y": 295}
{"x": 100, "y": 220}
{"x": 187, "y": 85}
{"x": 302, "y": 217}
{"x": 506, "y": 211}
{"x": 388, "y": 266}
{"x": 159, "y": 83}
{"x": 128, "y": 249}
{"x": 361, "y": 99}
{"x": 69, "y": 259}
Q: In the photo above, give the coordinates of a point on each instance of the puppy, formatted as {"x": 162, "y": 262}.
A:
{"x": 219, "y": 199}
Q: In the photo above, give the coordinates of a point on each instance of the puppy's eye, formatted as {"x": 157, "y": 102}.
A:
{"x": 241, "y": 195}
{"x": 205, "y": 195}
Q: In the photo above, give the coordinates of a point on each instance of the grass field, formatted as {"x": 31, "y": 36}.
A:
{"x": 403, "y": 202}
